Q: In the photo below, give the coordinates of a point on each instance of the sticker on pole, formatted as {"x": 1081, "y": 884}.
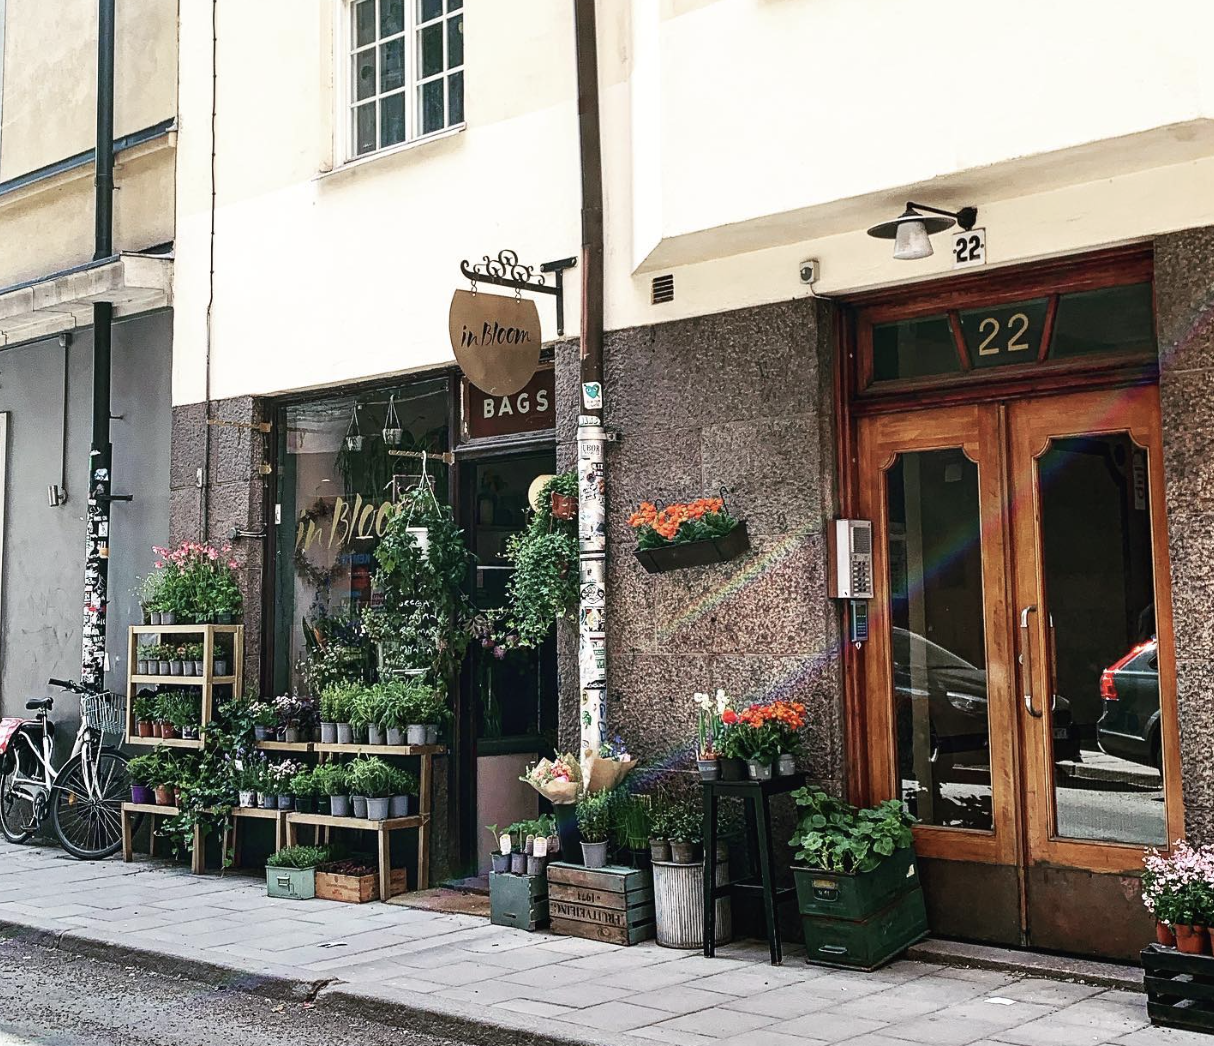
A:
{"x": 592, "y": 395}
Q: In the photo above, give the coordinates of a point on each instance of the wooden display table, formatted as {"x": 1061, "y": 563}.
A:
{"x": 253, "y": 813}
{"x": 383, "y": 831}
{"x": 197, "y": 854}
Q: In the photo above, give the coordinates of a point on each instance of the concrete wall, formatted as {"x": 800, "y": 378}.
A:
{"x": 741, "y": 400}
{"x": 1184, "y": 295}
{"x": 49, "y": 114}
{"x": 43, "y": 568}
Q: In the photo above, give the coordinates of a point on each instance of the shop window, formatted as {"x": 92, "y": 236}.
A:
{"x": 338, "y": 481}
{"x": 406, "y": 60}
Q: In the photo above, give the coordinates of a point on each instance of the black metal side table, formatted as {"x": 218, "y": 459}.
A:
{"x": 755, "y": 796}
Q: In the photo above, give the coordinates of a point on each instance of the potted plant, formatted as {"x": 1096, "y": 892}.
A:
{"x": 354, "y": 436}
{"x": 184, "y": 712}
{"x": 248, "y": 780}
{"x": 499, "y": 859}
{"x": 594, "y": 811}
{"x": 397, "y": 701}
{"x": 344, "y": 702}
{"x": 429, "y": 708}
{"x": 193, "y": 655}
{"x": 686, "y": 833}
{"x": 333, "y": 781}
{"x": 687, "y": 534}
{"x": 143, "y": 770}
{"x": 144, "y": 710}
{"x": 177, "y": 661}
{"x": 365, "y": 715}
{"x": 371, "y": 782}
{"x": 661, "y": 822}
{"x": 291, "y": 872}
{"x": 149, "y": 659}
{"x": 330, "y": 706}
{"x": 265, "y": 720}
{"x": 162, "y": 776}
{"x": 710, "y": 730}
{"x": 281, "y": 777}
{"x": 1178, "y": 889}
{"x": 151, "y": 595}
{"x": 760, "y": 731}
{"x": 219, "y": 664}
{"x": 165, "y": 654}
{"x": 164, "y": 714}
{"x": 853, "y": 865}
{"x": 403, "y": 789}
{"x": 303, "y": 788}
{"x": 392, "y": 430}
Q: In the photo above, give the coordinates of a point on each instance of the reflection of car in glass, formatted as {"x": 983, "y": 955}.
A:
{"x": 1129, "y": 723}
{"x": 957, "y": 704}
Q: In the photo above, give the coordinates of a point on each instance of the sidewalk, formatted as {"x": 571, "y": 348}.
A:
{"x": 445, "y": 973}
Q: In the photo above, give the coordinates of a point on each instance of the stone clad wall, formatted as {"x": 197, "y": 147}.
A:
{"x": 1184, "y": 297}
{"x": 741, "y": 400}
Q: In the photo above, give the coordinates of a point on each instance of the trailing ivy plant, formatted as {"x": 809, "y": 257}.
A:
{"x": 422, "y": 619}
{"x": 544, "y": 585}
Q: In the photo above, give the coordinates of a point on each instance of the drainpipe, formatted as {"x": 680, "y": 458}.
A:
{"x": 97, "y": 549}
{"x": 592, "y": 473}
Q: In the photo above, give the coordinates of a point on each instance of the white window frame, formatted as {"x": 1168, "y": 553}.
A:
{"x": 345, "y": 70}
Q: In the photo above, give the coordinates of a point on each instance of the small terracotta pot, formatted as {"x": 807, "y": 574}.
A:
{"x": 1192, "y": 940}
{"x": 164, "y": 796}
{"x": 145, "y": 728}
{"x": 1164, "y": 935}
{"x": 168, "y": 731}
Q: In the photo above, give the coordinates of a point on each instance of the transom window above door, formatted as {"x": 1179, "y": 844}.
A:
{"x": 1031, "y": 331}
{"x": 406, "y": 71}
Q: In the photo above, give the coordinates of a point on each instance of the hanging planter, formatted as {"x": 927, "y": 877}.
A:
{"x": 392, "y": 431}
{"x": 354, "y": 436}
{"x": 687, "y": 534}
{"x": 564, "y": 506}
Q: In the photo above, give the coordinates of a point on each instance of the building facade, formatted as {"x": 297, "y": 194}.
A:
{"x": 49, "y": 280}
{"x": 1020, "y": 415}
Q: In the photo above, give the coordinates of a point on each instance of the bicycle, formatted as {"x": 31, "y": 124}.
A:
{"x": 84, "y": 796}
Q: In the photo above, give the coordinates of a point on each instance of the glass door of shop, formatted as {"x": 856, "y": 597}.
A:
{"x": 1019, "y": 682}
{"x": 511, "y": 691}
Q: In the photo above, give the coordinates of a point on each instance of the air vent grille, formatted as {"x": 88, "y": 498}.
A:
{"x": 663, "y": 289}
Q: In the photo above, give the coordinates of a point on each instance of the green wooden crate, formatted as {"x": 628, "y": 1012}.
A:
{"x": 842, "y": 896}
{"x": 520, "y": 901}
{"x": 870, "y": 942}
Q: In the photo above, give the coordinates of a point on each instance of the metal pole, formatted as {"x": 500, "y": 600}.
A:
{"x": 592, "y": 473}
{"x": 97, "y": 546}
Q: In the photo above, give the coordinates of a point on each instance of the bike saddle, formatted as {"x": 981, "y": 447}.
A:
{"x": 35, "y": 704}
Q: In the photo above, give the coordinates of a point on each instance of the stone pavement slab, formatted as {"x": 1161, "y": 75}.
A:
{"x": 371, "y": 958}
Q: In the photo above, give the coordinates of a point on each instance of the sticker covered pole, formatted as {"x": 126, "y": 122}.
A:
{"x": 591, "y": 465}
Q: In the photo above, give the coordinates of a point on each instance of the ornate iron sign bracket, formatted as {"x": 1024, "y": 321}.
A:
{"x": 506, "y": 271}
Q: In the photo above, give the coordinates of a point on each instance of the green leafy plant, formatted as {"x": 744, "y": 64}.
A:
{"x": 298, "y": 857}
{"x": 337, "y": 701}
{"x": 402, "y": 782}
{"x": 428, "y": 705}
{"x": 332, "y": 779}
{"x": 370, "y": 776}
{"x": 633, "y": 821}
{"x": 144, "y": 707}
{"x": 191, "y": 651}
{"x": 145, "y": 769}
{"x": 836, "y": 837}
{"x": 303, "y": 783}
{"x": 182, "y": 709}
{"x": 594, "y": 816}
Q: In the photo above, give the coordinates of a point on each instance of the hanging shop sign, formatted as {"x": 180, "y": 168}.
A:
{"x": 531, "y": 409}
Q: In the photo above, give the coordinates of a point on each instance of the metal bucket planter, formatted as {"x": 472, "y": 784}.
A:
{"x": 176, "y": 668}
{"x": 328, "y": 733}
{"x": 141, "y": 668}
{"x": 221, "y": 668}
{"x": 758, "y": 771}
{"x": 165, "y": 668}
{"x": 594, "y": 855}
{"x": 297, "y": 884}
{"x": 378, "y": 808}
{"x": 339, "y": 805}
{"x": 359, "y": 802}
{"x": 292, "y": 735}
{"x": 168, "y": 617}
{"x": 395, "y": 736}
{"x": 269, "y": 802}
{"x": 416, "y": 735}
{"x": 399, "y": 806}
{"x": 248, "y": 800}
{"x": 678, "y": 897}
{"x": 432, "y": 734}
{"x": 375, "y": 734}
{"x": 345, "y": 734}
{"x": 786, "y": 765}
{"x": 710, "y": 769}
{"x": 187, "y": 668}
{"x": 286, "y": 802}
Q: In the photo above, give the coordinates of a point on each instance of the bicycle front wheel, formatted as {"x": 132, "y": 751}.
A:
{"x": 86, "y": 808}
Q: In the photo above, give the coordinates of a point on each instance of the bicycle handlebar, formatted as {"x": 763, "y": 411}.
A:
{"x": 63, "y": 684}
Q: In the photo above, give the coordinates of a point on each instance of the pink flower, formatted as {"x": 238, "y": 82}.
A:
{"x": 212, "y": 555}
{"x": 159, "y": 565}
{"x": 232, "y": 563}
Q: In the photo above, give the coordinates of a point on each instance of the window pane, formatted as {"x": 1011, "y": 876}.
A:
{"x": 937, "y": 639}
{"x": 391, "y": 17}
{"x": 1103, "y": 708}
{"x": 427, "y": 9}
{"x": 914, "y": 349}
{"x": 364, "y": 22}
{"x": 455, "y": 98}
{"x": 392, "y": 65}
{"x": 454, "y": 5}
{"x": 364, "y": 129}
{"x": 392, "y": 119}
{"x": 1113, "y": 319}
{"x": 455, "y": 41}
{"x": 999, "y": 335}
{"x": 364, "y": 74}
{"x": 431, "y": 46}
{"x": 432, "y": 106}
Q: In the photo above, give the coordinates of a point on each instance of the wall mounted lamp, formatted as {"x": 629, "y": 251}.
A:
{"x": 911, "y": 230}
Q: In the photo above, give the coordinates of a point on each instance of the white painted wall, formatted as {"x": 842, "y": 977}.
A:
{"x": 740, "y": 136}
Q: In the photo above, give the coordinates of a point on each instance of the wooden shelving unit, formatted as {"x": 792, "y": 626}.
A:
{"x": 207, "y": 681}
{"x": 131, "y": 810}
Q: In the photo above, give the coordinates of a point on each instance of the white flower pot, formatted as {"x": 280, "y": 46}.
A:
{"x": 416, "y": 735}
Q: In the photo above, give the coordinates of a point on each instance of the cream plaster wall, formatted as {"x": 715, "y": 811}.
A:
{"x": 49, "y": 114}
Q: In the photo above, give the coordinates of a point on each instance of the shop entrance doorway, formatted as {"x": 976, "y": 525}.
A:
{"x": 1018, "y": 688}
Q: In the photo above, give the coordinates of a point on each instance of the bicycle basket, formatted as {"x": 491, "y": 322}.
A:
{"x": 104, "y": 712}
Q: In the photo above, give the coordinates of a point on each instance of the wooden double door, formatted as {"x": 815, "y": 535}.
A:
{"x": 1019, "y": 683}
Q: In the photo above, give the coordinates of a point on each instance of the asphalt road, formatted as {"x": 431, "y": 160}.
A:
{"x": 53, "y": 999}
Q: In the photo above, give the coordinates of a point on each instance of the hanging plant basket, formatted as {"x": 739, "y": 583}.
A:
{"x": 392, "y": 431}
{"x": 564, "y": 506}
{"x": 354, "y": 436}
{"x": 695, "y": 553}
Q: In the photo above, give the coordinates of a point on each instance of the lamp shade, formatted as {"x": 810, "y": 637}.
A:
{"x": 911, "y": 242}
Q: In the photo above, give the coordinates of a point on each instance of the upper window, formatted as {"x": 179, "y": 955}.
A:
{"x": 406, "y": 71}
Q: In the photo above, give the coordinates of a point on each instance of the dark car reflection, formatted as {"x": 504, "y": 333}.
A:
{"x": 957, "y": 706}
{"x": 1129, "y": 721}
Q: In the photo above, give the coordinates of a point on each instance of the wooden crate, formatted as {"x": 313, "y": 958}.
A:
{"x": 1180, "y": 988}
{"x": 520, "y": 901}
{"x": 357, "y": 889}
{"x": 611, "y": 904}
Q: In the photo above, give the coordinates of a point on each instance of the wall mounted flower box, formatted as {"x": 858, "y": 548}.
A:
{"x": 695, "y": 553}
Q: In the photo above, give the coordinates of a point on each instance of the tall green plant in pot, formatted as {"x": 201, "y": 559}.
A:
{"x": 422, "y": 619}
{"x": 371, "y": 779}
{"x": 594, "y": 819}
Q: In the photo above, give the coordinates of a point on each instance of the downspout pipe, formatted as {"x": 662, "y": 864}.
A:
{"x": 592, "y": 471}
{"x": 101, "y": 453}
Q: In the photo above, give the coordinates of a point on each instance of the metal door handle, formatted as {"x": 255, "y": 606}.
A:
{"x": 1026, "y": 646}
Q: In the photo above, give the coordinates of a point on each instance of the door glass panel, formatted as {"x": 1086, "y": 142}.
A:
{"x": 914, "y": 349}
{"x": 938, "y": 641}
{"x": 1100, "y": 589}
{"x": 1113, "y": 319}
{"x": 999, "y": 335}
